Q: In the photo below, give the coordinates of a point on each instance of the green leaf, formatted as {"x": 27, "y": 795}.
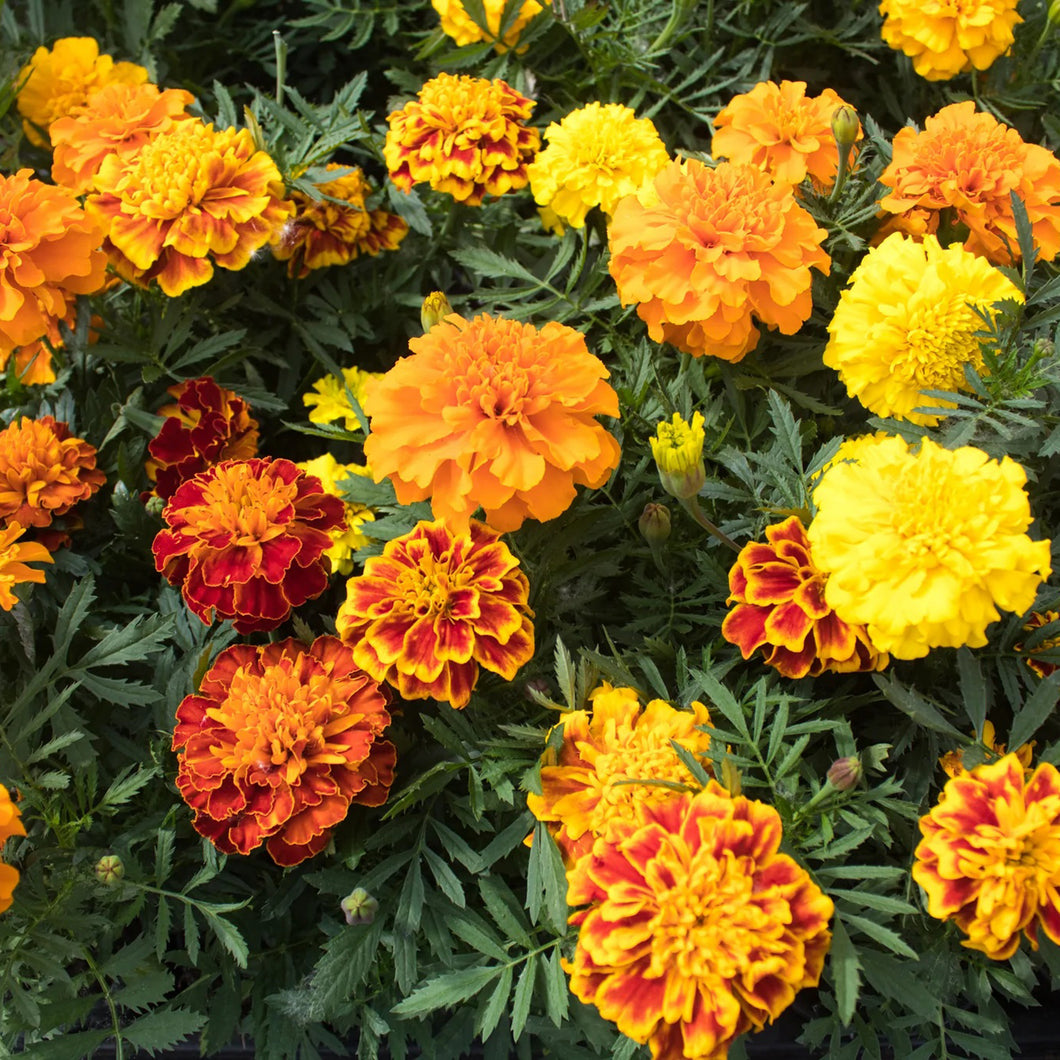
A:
{"x": 973, "y": 689}
{"x": 444, "y": 991}
{"x": 503, "y": 907}
{"x": 883, "y": 935}
{"x": 1032, "y": 714}
{"x": 446, "y": 879}
{"x": 844, "y": 964}
{"x": 496, "y": 1005}
{"x": 546, "y": 880}
{"x": 228, "y": 935}
{"x": 722, "y": 699}
{"x": 916, "y": 706}
{"x": 159, "y": 1031}
{"x": 474, "y": 932}
{"x": 71, "y": 1045}
{"x": 524, "y": 993}
{"x": 557, "y": 994}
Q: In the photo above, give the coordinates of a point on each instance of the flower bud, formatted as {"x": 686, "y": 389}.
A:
{"x": 435, "y": 308}
{"x": 845, "y": 126}
{"x": 359, "y": 907}
{"x": 654, "y": 524}
{"x": 678, "y": 451}
{"x": 155, "y": 505}
{"x": 844, "y": 773}
{"x": 109, "y": 870}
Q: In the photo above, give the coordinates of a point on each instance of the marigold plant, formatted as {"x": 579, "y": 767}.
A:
{"x": 10, "y": 825}
{"x": 458, "y": 24}
{"x": 14, "y": 555}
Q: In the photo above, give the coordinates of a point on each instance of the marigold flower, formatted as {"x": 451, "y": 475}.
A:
{"x": 190, "y": 198}
{"x": 245, "y": 538}
{"x": 990, "y": 856}
{"x": 347, "y": 539}
{"x": 925, "y": 547}
{"x": 586, "y": 788}
{"x": 719, "y": 247}
{"x": 677, "y": 447}
{"x": 118, "y": 119}
{"x": 945, "y": 39}
{"x": 1036, "y": 620}
{"x": 595, "y": 156}
{"x": 328, "y": 403}
{"x": 779, "y": 594}
{"x": 783, "y": 132}
{"x": 697, "y": 929}
{"x": 14, "y": 555}
{"x": 323, "y": 232}
{"x": 208, "y": 424}
{"x": 435, "y": 607}
{"x": 968, "y": 164}
{"x": 277, "y": 745}
{"x": 462, "y": 135}
{"x": 907, "y": 323}
{"x": 64, "y": 77}
{"x": 459, "y": 25}
{"x": 10, "y": 824}
{"x": 952, "y": 762}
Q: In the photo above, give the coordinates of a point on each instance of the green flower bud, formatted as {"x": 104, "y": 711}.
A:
{"x": 844, "y": 773}
{"x": 109, "y": 870}
{"x": 359, "y": 907}
{"x": 654, "y": 524}
{"x": 845, "y": 126}
{"x": 435, "y": 308}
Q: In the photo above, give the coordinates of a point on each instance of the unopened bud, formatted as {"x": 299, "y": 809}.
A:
{"x": 359, "y": 907}
{"x": 678, "y": 451}
{"x": 654, "y": 524}
{"x": 1044, "y": 347}
{"x": 155, "y": 505}
{"x": 845, "y": 126}
{"x": 109, "y": 870}
{"x": 435, "y": 308}
{"x": 844, "y": 773}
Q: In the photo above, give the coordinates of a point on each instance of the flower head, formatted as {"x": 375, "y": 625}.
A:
{"x": 14, "y": 555}
{"x": 697, "y": 928}
{"x": 990, "y": 856}
{"x": 595, "y": 156}
{"x": 327, "y": 401}
{"x": 781, "y": 609}
{"x": 952, "y": 762}
{"x": 1036, "y": 620}
{"x": 189, "y": 199}
{"x": 907, "y": 323}
{"x": 784, "y": 132}
{"x": 10, "y": 824}
{"x": 496, "y": 413}
{"x": 720, "y": 247}
{"x": 677, "y": 447}
{"x": 277, "y": 745}
{"x": 945, "y": 39}
{"x": 464, "y": 136}
{"x": 347, "y": 539}
{"x": 925, "y": 547}
{"x": 968, "y": 164}
{"x": 246, "y": 538}
{"x": 434, "y": 608}
{"x": 459, "y": 25}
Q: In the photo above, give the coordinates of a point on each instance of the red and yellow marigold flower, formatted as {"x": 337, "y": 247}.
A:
{"x": 952, "y": 762}
{"x": 990, "y": 855}
{"x": 585, "y": 785}
{"x": 277, "y": 745}
{"x": 696, "y": 928}
{"x": 459, "y": 25}
{"x": 349, "y": 538}
{"x": 192, "y": 197}
{"x": 207, "y": 425}
{"x": 711, "y": 251}
{"x": 465, "y": 136}
{"x": 328, "y": 402}
{"x": 496, "y": 413}
{"x": 1037, "y": 619}
{"x": 10, "y": 825}
{"x": 964, "y": 166}
{"x": 437, "y": 606}
{"x": 781, "y": 609}
{"x": 14, "y": 555}
{"x": 245, "y": 539}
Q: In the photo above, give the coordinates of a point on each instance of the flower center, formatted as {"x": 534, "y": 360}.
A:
{"x": 175, "y": 171}
{"x": 939, "y": 342}
{"x": 431, "y": 587}
{"x": 245, "y": 508}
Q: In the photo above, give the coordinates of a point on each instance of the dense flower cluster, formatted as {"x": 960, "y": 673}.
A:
{"x": 14, "y": 555}
{"x": 346, "y": 539}
{"x": 328, "y": 403}
{"x": 458, "y": 24}
{"x": 10, "y": 825}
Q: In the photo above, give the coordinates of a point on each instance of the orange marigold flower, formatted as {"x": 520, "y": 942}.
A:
{"x": 967, "y": 163}
{"x": 277, "y": 745}
{"x": 10, "y": 824}
{"x": 192, "y": 197}
{"x": 14, "y": 555}
{"x": 117, "y": 120}
{"x": 436, "y": 606}
{"x": 780, "y": 608}
{"x": 990, "y": 856}
{"x": 952, "y": 762}
{"x": 697, "y": 929}
{"x": 459, "y": 25}
{"x": 1037, "y": 619}
{"x": 496, "y": 413}
{"x": 585, "y": 785}
{"x": 783, "y": 132}
{"x": 462, "y": 135}
{"x": 246, "y": 539}
{"x": 208, "y": 424}
{"x": 718, "y": 247}
{"x": 64, "y": 77}
{"x": 44, "y": 471}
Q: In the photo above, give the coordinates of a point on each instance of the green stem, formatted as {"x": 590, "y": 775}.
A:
{"x": 677, "y": 16}
{"x": 691, "y": 505}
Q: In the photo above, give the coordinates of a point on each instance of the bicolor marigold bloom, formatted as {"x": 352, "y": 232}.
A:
{"x": 277, "y": 745}
{"x": 945, "y": 39}
{"x": 697, "y": 928}
{"x": 952, "y": 762}
{"x": 117, "y": 120}
{"x": 967, "y": 164}
{"x": 595, "y": 156}
{"x": 1037, "y": 619}
{"x": 990, "y": 855}
{"x": 781, "y": 609}
{"x": 907, "y": 323}
{"x": 459, "y": 25}
{"x": 783, "y": 132}
{"x": 586, "y": 788}
{"x": 496, "y": 413}
{"x": 63, "y": 77}
{"x": 925, "y": 547}
{"x": 14, "y": 555}
{"x": 10, "y": 824}
{"x": 465, "y": 136}
{"x": 192, "y": 197}
{"x": 677, "y": 447}
{"x": 719, "y": 248}
{"x": 434, "y": 608}
{"x": 324, "y": 232}
{"x": 347, "y": 539}
{"x": 245, "y": 539}
{"x": 328, "y": 403}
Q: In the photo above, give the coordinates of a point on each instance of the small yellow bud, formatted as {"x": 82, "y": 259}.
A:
{"x": 435, "y": 308}
{"x": 109, "y": 870}
{"x": 359, "y": 907}
{"x": 845, "y": 126}
{"x": 678, "y": 451}
{"x": 654, "y": 524}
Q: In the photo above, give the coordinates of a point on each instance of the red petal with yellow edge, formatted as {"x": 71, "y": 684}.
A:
{"x": 788, "y": 626}
{"x": 632, "y": 1001}
{"x": 745, "y": 626}
{"x": 810, "y": 597}
{"x": 771, "y": 583}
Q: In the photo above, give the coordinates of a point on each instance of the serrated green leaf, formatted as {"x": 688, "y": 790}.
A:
{"x": 475, "y": 933}
{"x": 161, "y": 1030}
{"x": 1030, "y": 717}
{"x": 916, "y": 706}
{"x": 445, "y": 991}
{"x": 496, "y": 1005}
{"x": 524, "y": 993}
{"x": 447, "y": 880}
{"x": 503, "y": 907}
{"x": 843, "y": 961}
{"x": 973, "y": 689}
{"x": 546, "y": 880}
{"x": 878, "y": 933}
{"x": 557, "y": 993}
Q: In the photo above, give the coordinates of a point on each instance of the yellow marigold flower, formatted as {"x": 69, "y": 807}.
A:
{"x": 784, "y": 132}
{"x": 719, "y": 247}
{"x": 345, "y": 540}
{"x": 14, "y": 555}
{"x": 952, "y": 762}
{"x": 696, "y": 928}
{"x": 907, "y": 323}
{"x": 584, "y": 789}
{"x": 990, "y": 856}
{"x": 64, "y": 77}
{"x": 965, "y": 165}
{"x": 459, "y": 25}
{"x": 1036, "y": 620}
{"x": 595, "y": 156}
{"x": 945, "y": 39}
{"x": 464, "y": 136}
{"x": 10, "y": 824}
{"x": 192, "y": 197}
{"x": 925, "y": 547}
{"x": 328, "y": 403}
{"x": 678, "y": 451}
{"x": 324, "y": 232}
